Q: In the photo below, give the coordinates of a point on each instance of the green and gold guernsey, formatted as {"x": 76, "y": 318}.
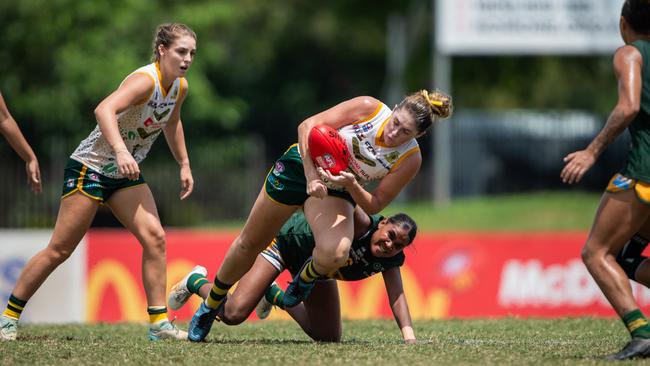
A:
{"x": 638, "y": 161}
{"x": 296, "y": 244}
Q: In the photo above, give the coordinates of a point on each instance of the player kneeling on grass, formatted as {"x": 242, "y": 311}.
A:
{"x": 377, "y": 247}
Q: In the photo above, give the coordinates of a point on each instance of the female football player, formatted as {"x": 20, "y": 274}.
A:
{"x": 104, "y": 170}
{"x": 10, "y": 130}
{"x": 383, "y": 148}
{"x": 625, "y": 205}
{"x": 377, "y": 246}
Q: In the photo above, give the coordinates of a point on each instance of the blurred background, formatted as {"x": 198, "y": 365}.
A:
{"x": 262, "y": 67}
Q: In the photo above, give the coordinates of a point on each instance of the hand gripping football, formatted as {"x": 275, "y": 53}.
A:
{"x": 327, "y": 149}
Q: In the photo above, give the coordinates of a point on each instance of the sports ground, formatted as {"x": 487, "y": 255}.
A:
{"x": 510, "y": 341}
{"x": 504, "y": 341}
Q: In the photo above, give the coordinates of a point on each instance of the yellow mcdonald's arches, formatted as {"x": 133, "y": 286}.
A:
{"x": 434, "y": 304}
{"x": 365, "y": 305}
{"x": 112, "y": 273}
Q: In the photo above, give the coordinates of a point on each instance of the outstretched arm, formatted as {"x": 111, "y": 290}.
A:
{"x": 627, "y": 66}
{"x": 398, "y": 304}
{"x": 176, "y": 140}
{"x": 10, "y": 130}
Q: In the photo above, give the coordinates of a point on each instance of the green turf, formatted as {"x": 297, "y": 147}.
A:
{"x": 519, "y": 212}
{"x": 576, "y": 341}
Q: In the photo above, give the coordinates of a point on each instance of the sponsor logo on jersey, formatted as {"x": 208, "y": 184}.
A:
{"x": 70, "y": 182}
{"x": 150, "y": 123}
{"x": 161, "y": 115}
{"x": 155, "y": 105}
{"x": 93, "y": 177}
{"x": 144, "y": 134}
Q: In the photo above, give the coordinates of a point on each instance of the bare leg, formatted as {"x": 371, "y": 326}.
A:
{"x": 136, "y": 209}
{"x": 619, "y": 216}
{"x": 332, "y": 221}
{"x": 76, "y": 213}
{"x": 263, "y": 223}
{"x": 320, "y": 314}
{"x": 249, "y": 292}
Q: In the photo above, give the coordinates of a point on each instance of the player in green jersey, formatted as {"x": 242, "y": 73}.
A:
{"x": 625, "y": 206}
{"x": 377, "y": 248}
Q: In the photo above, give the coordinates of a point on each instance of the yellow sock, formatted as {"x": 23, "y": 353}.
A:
{"x": 157, "y": 314}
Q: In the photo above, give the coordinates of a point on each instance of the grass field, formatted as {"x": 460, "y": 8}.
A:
{"x": 537, "y": 211}
{"x": 581, "y": 341}
{"x": 516, "y": 212}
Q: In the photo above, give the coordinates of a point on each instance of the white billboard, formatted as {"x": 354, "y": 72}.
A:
{"x": 61, "y": 299}
{"x": 491, "y": 27}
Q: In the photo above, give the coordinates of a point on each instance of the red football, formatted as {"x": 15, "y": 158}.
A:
{"x": 327, "y": 149}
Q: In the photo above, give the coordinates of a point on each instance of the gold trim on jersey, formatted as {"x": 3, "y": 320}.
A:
{"x": 162, "y": 88}
{"x": 380, "y": 133}
{"x": 404, "y": 156}
{"x": 180, "y": 88}
{"x": 371, "y": 116}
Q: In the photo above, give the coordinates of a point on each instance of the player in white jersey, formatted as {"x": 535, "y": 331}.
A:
{"x": 383, "y": 146}
{"x": 104, "y": 170}
{"x": 10, "y": 130}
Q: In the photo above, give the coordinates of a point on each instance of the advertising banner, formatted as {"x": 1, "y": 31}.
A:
{"x": 464, "y": 275}
{"x": 62, "y": 297}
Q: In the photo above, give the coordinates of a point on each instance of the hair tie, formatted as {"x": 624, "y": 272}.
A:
{"x": 425, "y": 94}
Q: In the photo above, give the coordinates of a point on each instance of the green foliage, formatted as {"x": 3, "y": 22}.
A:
{"x": 578, "y": 341}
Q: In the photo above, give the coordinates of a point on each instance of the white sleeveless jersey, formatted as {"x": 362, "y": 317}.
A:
{"x": 371, "y": 159}
{"x": 139, "y": 126}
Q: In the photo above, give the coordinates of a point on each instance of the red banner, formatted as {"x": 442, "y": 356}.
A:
{"x": 445, "y": 275}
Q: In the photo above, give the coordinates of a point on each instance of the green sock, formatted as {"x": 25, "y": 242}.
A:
{"x": 195, "y": 282}
{"x": 275, "y": 296}
{"x": 637, "y": 324}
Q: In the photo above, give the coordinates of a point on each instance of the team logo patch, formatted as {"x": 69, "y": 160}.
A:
{"x": 620, "y": 183}
{"x": 70, "y": 182}
{"x": 392, "y": 157}
{"x": 278, "y": 168}
{"x": 275, "y": 182}
{"x": 93, "y": 177}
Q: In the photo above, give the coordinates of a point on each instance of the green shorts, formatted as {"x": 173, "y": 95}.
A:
{"x": 286, "y": 182}
{"x": 79, "y": 178}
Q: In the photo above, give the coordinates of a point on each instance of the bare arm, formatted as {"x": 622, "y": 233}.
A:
{"x": 176, "y": 141}
{"x": 135, "y": 89}
{"x": 389, "y": 187}
{"x": 398, "y": 304}
{"x": 10, "y": 130}
{"x": 627, "y": 67}
{"x": 340, "y": 115}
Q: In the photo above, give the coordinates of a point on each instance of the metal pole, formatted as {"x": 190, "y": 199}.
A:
{"x": 441, "y": 137}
